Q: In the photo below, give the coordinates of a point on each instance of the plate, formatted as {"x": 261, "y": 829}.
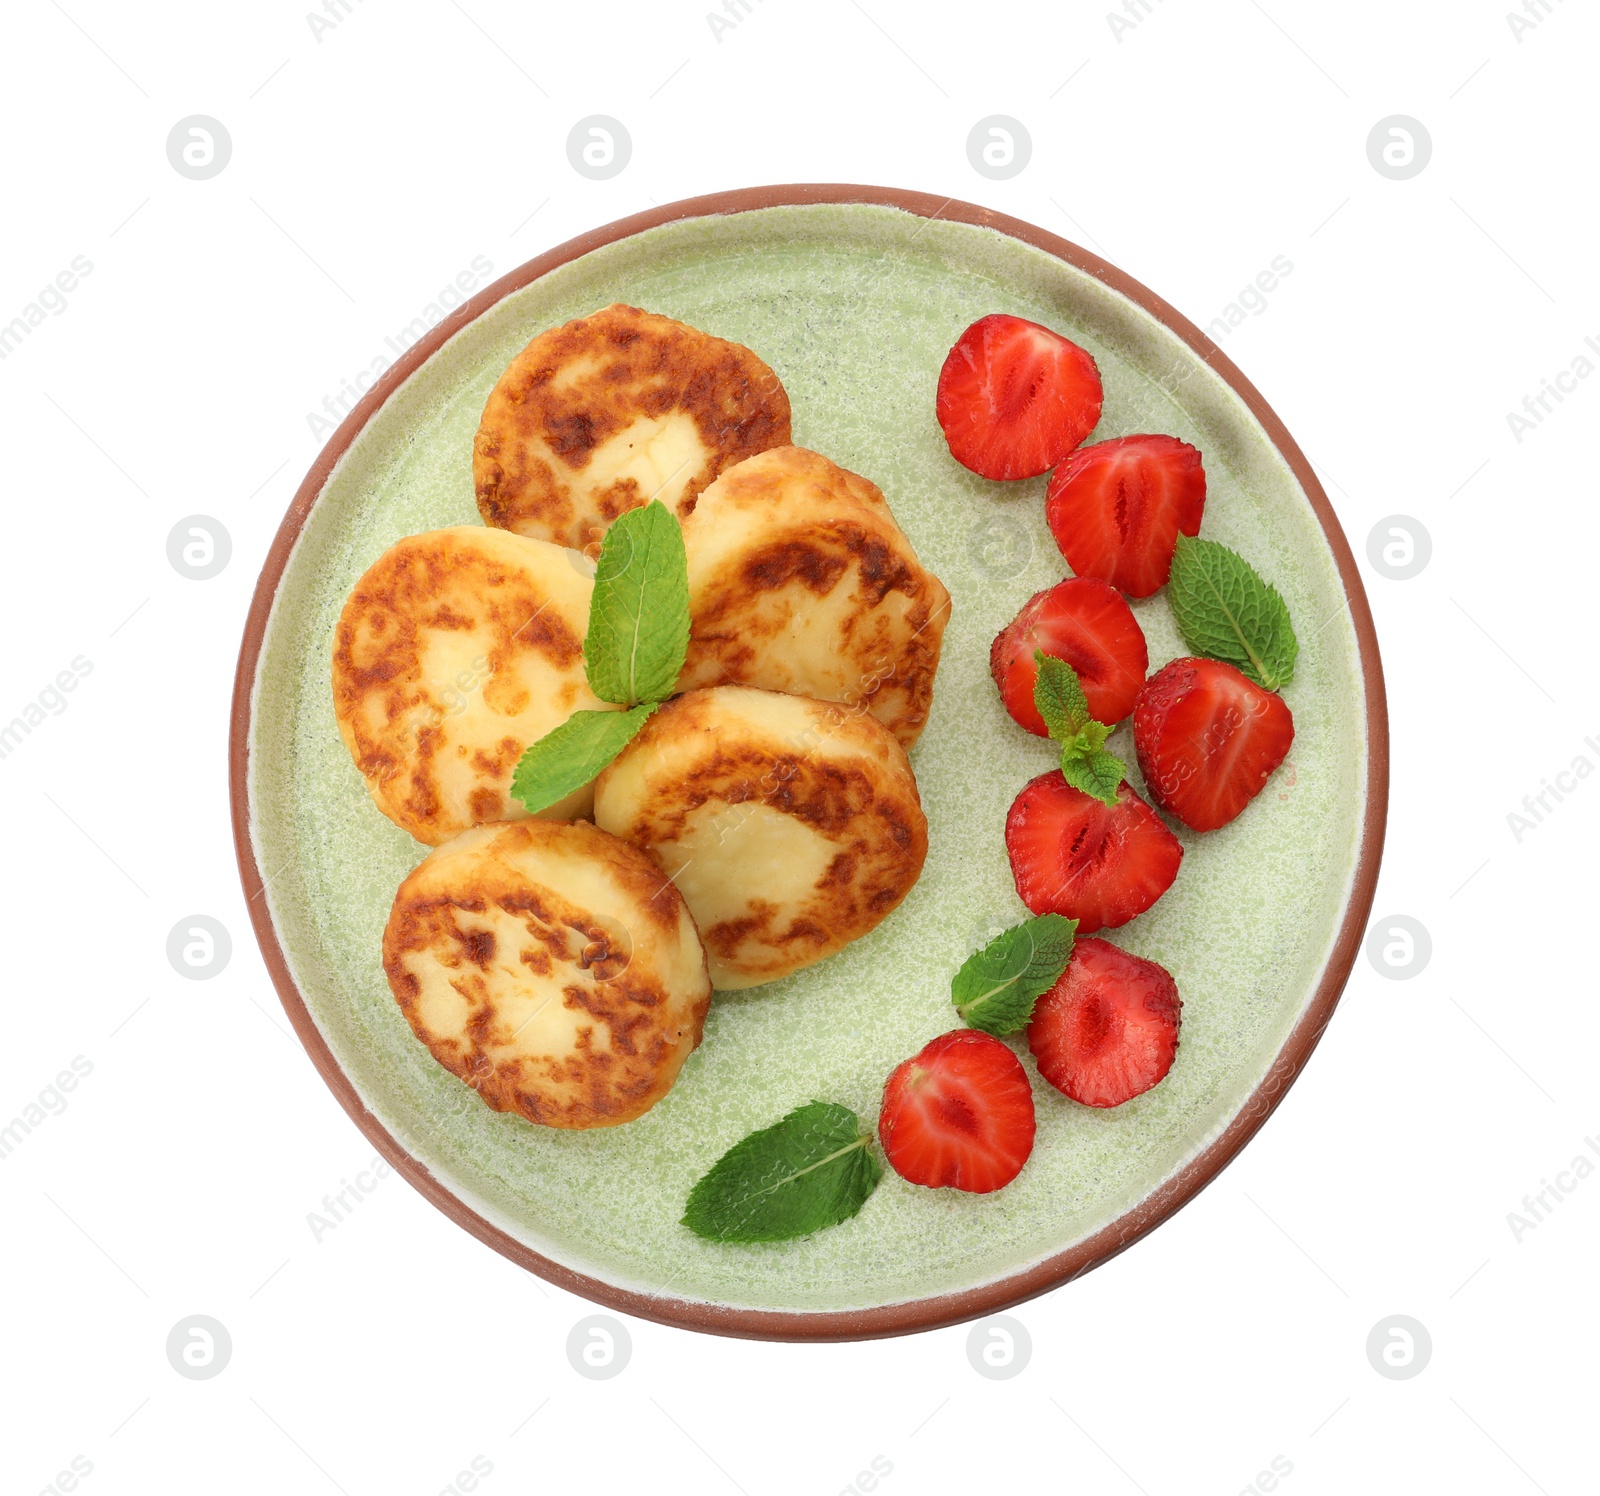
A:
{"x": 853, "y": 295}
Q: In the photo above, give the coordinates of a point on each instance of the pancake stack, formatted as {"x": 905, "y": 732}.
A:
{"x": 562, "y": 965}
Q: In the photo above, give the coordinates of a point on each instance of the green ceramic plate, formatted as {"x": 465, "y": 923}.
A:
{"x": 853, "y": 296}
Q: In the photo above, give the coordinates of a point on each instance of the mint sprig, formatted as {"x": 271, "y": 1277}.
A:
{"x": 639, "y": 613}
{"x": 568, "y": 757}
{"x": 633, "y": 654}
{"x": 1085, "y": 764}
{"x": 1227, "y": 612}
{"x": 813, "y": 1169}
{"x": 996, "y": 988}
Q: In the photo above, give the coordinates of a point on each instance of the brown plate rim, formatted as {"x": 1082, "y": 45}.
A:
{"x": 915, "y": 1314}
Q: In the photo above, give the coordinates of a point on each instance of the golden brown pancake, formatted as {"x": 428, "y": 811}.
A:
{"x": 552, "y": 968}
{"x": 456, "y": 650}
{"x": 801, "y": 581}
{"x": 600, "y": 415}
{"x": 791, "y": 826}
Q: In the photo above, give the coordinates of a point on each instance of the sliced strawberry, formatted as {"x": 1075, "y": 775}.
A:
{"x": 1074, "y": 855}
{"x": 1208, "y": 738}
{"x": 958, "y": 1114}
{"x": 1116, "y": 508}
{"x": 1085, "y": 622}
{"x": 1014, "y": 398}
{"x": 1107, "y": 1031}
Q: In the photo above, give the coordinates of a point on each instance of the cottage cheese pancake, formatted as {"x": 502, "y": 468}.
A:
{"x": 791, "y": 826}
{"x": 801, "y": 581}
{"x": 456, "y": 650}
{"x": 552, "y": 968}
{"x": 606, "y": 412}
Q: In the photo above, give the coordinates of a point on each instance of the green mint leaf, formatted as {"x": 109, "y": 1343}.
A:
{"x": 1085, "y": 764}
{"x": 811, "y": 1170}
{"x": 996, "y": 988}
{"x": 1059, "y": 696}
{"x": 1227, "y": 612}
{"x": 1092, "y": 738}
{"x": 1096, "y": 774}
{"x": 639, "y": 613}
{"x": 568, "y": 757}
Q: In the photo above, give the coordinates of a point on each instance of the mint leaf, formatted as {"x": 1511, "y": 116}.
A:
{"x": 1096, "y": 774}
{"x": 1090, "y": 738}
{"x": 1058, "y": 694}
{"x": 639, "y": 612}
{"x": 1227, "y": 612}
{"x": 811, "y": 1170}
{"x": 996, "y": 988}
{"x": 1085, "y": 765}
{"x": 568, "y": 757}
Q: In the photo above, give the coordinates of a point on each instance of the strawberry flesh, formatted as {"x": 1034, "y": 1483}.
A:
{"x": 1087, "y": 623}
{"x": 1116, "y": 509}
{"x": 1015, "y": 398}
{"x": 958, "y": 1114}
{"x": 1074, "y": 855}
{"x": 1108, "y": 1030}
{"x": 1208, "y": 738}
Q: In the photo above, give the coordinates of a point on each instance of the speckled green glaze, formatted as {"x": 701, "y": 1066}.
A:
{"x": 854, "y": 307}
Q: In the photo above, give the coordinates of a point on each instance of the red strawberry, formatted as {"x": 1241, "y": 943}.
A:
{"x": 1074, "y": 855}
{"x": 1015, "y": 398}
{"x": 1085, "y": 622}
{"x": 1107, "y": 1031}
{"x": 1208, "y": 739}
{"x": 1116, "y": 508}
{"x": 958, "y": 1114}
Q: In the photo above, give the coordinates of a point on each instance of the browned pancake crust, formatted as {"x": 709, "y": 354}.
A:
{"x": 647, "y": 365}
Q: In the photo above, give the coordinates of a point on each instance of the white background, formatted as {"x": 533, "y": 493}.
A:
{"x": 370, "y": 166}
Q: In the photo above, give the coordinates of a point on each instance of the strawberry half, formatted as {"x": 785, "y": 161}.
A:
{"x": 1096, "y": 863}
{"x": 1108, "y": 1030}
{"x": 1116, "y": 508}
{"x": 958, "y": 1114}
{"x": 1085, "y": 622}
{"x": 1208, "y": 738}
{"x": 1014, "y": 398}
